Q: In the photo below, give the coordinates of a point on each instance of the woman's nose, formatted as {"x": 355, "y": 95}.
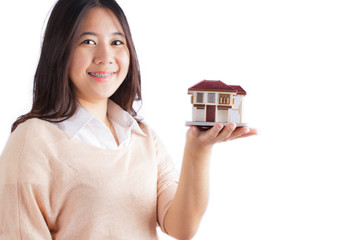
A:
{"x": 103, "y": 55}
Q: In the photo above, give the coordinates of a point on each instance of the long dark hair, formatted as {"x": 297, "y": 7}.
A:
{"x": 54, "y": 97}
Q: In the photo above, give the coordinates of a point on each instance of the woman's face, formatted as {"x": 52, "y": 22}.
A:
{"x": 100, "y": 61}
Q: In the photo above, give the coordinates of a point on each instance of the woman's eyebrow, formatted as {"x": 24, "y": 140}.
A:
{"x": 95, "y": 34}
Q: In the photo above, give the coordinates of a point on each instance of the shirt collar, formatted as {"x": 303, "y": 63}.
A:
{"x": 116, "y": 114}
{"x": 123, "y": 118}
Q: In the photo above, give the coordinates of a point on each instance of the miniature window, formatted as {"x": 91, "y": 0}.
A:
{"x": 211, "y": 97}
{"x": 224, "y": 98}
{"x": 199, "y": 97}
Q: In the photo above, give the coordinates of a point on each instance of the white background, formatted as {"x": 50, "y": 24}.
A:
{"x": 298, "y": 61}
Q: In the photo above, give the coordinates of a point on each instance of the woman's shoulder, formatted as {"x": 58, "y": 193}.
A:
{"x": 28, "y": 149}
{"x": 150, "y": 132}
{"x": 37, "y": 130}
{"x": 147, "y": 129}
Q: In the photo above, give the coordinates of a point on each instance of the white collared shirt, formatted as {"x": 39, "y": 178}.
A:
{"x": 89, "y": 129}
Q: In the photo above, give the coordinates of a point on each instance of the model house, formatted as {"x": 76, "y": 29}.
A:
{"x": 215, "y": 101}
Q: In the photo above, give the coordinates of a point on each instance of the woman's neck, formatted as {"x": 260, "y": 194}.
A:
{"x": 98, "y": 109}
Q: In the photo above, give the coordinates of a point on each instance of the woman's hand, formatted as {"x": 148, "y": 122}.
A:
{"x": 219, "y": 133}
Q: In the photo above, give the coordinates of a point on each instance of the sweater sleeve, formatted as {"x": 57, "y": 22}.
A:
{"x": 23, "y": 190}
{"x": 167, "y": 181}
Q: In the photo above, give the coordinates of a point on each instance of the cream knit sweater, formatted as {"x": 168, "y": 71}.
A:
{"x": 55, "y": 187}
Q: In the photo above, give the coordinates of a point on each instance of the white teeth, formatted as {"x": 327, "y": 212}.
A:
{"x": 101, "y": 75}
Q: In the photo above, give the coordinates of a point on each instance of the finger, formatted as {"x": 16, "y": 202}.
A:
{"x": 250, "y": 132}
{"x": 211, "y": 134}
{"x": 239, "y": 132}
{"x": 226, "y": 132}
{"x": 243, "y": 132}
{"x": 194, "y": 131}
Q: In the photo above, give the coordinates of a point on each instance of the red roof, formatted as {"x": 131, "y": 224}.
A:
{"x": 217, "y": 86}
{"x": 239, "y": 89}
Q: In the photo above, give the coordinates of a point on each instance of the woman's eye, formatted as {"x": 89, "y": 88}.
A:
{"x": 117, "y": 42}
{"x": 88, "y": 41}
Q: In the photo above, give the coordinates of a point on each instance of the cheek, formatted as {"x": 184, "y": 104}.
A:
{"x": 124, "y": 60}
{"x": 78, "y": 64}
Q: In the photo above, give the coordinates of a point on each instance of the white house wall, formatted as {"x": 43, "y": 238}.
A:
{"x": 237, "y": 101}
{"x": 241, "y": 111}
{"x": 199, "y": 115}
{"x": 222, "y": 115}
{"x": 235, "y": 116}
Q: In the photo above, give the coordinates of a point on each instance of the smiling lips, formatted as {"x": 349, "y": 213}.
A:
{"x": 101, "y": 76}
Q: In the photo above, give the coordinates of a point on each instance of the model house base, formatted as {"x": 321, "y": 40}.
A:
{"x": 211, "y": 124}
{"x": 216, "y": 102}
